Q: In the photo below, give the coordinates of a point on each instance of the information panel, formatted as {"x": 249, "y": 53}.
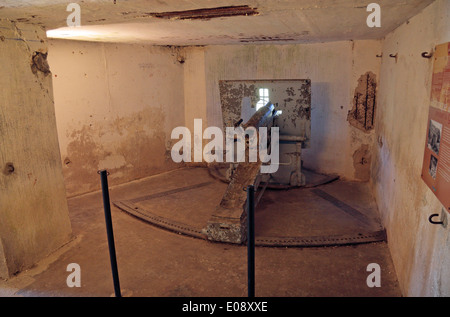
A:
{"x": 436, "y": 162}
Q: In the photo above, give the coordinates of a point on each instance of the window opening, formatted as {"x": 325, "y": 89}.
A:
{"x": 263, "y": 98}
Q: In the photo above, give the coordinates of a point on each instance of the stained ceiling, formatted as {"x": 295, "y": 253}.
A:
{"x": 209, "y": 22}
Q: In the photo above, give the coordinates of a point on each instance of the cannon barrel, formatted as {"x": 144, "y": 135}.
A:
{"x": 228, "y": 221}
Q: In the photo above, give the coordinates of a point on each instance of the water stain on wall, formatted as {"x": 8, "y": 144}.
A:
{"x": 81, "y": 163}
{"x": 129, "y": 147}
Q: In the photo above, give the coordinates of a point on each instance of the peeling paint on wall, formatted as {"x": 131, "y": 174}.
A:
{"x": 362, "y": 115}
{"x": 39, "y": 63}
{"x": 206, "y": 13}
{"x": 231, "y": 96}
{"x": 138, "y": 140}
{"x": 114, "y": 115}
{"x": 292, "y": 97}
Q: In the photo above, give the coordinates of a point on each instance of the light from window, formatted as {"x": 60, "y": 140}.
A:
{"x": 263, "y": 98}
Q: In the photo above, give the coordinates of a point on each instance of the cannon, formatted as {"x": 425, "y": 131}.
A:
{"x": 228, "y": 220}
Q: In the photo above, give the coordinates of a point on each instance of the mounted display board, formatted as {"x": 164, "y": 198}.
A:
{"x": 436, "y": 162}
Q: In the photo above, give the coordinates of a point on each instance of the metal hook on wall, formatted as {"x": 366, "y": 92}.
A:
{"x": 100, "y": 172}
{"x": 430, "y": 219}
{"x": 379, "y": 55}
{"x": 393, "y": 55}
{"x": 427, "y": 55}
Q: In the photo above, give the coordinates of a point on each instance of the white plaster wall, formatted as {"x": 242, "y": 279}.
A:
{"x": 116, "y": 105}
{"x": 333, "y": 68}
{"x": 101, "y": 89}
{"x": 420, "y": 250}
{"x": 194, "y": 86}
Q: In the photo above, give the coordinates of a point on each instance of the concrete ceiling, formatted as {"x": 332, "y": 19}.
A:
{"x": 276, "y": 21}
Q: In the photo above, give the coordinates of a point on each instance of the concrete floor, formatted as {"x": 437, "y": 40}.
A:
{"x": 156, "y": 262}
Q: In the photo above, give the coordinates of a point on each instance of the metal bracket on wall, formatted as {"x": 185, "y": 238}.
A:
{"x": 394, "y": 56}
{"x": 430, "y": 219}
{"x": 427, "y": 55}
{"x": 442, "y": 221}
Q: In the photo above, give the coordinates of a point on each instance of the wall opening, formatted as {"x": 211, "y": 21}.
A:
{"x": 263, "y": 98}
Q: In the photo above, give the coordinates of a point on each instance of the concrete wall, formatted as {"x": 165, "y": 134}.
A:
{"x": 34, "y": 219}
{"x": 116, "y": 105}
{"x": 334, "y": 69}
{"x": 420, "y": 250}
{"x": 195, "y": 106}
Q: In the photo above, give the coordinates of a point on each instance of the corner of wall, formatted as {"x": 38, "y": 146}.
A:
{"x": 404, "y": 201}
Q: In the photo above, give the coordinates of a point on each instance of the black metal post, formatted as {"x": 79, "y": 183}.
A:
{"x": 251, "y": 240}
{"x": 109, "y": 231}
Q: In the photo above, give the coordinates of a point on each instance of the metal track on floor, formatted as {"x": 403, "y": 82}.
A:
{"x": 311, "y": 241}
